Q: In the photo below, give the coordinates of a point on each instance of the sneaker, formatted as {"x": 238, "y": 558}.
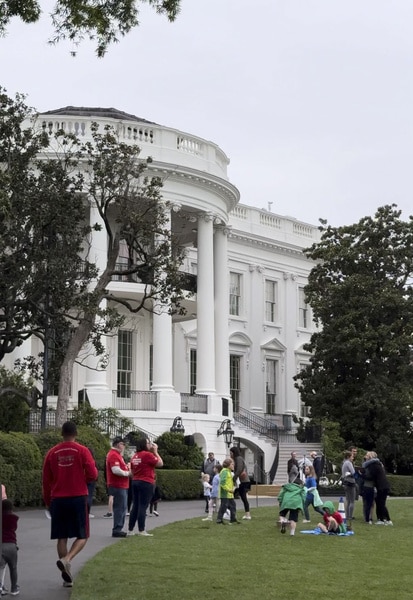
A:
{"x": 91, "y": 516}
{"x": 127, "y": 514}
{"x": 3, "y": 591}
{"x": 119, "y": 534}
{"x": 64, "y": 566}
{"x": 107, "y": 515}
{"x": 388, "y": 522}
{"x": 67, "y": 584}
{"x": 247, "y": 518}
{"x": 15, "y": 591}
{"x": 220, "y": 523}
{"x": 306, "y": 521}
{"x": 145, "y": 534}
{"x": 283, "y": 526}
{"x": 129, "y": 533}
{"x": 155, "y": 512}
{"x": 207, "y": 519}
{"x": 379, "y": 522}
{"x": 150, "y": 515}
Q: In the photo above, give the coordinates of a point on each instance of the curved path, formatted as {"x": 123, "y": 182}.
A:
{"x": 40, "y": 579}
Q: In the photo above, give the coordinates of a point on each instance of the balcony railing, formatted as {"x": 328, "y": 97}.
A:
{"x": 194, "y": 403}
{"x": 136, "y": 400}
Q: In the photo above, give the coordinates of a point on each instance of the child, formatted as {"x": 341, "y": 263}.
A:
{"x": 207, "y": 490}
{"x": 291, "y": 499}
{"x": 333, "y": 521}
{"x": 9, "y": 547}
{"x": 213, "y": 501}
{"x": 153, "y": 505}
{"x": 311, "y": 487}
{"x": 226, "y": 492}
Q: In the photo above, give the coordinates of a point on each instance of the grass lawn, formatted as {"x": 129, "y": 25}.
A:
{"x": 253, "y": 561}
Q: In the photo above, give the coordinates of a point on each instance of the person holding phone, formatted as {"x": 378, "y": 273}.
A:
{"x": 143, "y": 464}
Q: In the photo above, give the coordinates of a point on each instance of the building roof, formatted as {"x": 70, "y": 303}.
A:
{"x": 86, "y": 111}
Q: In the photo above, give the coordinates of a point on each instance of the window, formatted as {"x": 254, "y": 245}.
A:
{"x": 303, "y": 312}
{"x": 270, "y": 386}
{"x": 305, "y": 411}
{"x": 234, "y": 293}
{"x": 270, "y": 300}
{"x": 192, "y": 372}
{"x": 235, "y": 380}
{"x": 124, "y": 363}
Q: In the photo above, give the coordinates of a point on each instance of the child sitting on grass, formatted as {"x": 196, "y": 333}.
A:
{"x": 333, "y": 521}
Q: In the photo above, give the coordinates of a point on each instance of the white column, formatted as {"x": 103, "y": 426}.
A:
{"x": 221, "y": 312}
{"x": 96, "y": 376}
{"x": 205, "y": 307}
{"x": 162, "y": 342}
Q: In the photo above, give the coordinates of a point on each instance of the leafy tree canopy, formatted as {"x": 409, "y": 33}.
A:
{"x": 103, "y": 21}
{"x": 360, "y": 373}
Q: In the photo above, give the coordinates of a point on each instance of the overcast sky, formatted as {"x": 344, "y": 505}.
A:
{"x": 312, "y": 100}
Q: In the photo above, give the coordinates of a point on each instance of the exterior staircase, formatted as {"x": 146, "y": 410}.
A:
{"x": 272, "y": 446}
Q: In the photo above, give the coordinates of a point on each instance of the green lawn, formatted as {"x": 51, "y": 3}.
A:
{"x": 253, "y": 561}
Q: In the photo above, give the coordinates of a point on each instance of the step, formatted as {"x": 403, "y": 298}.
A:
{"x": 265, "y": 490}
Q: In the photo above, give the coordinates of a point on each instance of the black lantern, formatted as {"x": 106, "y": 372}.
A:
{"x": 177, "y": 426}
{"x": 226, "y": 430}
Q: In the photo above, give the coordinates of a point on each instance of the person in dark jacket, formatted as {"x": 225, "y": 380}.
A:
{"x": 381, "y": 483}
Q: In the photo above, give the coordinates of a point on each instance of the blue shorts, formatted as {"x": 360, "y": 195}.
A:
{"x": 70, "y": 518}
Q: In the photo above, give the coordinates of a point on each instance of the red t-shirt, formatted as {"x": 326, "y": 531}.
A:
{"x": 336, "y": 515}
{"x": 9, "y": 525}
{"x": 67, "y": 469}
{"x": 115, "y": 459}
{"x": 143, "y": 466}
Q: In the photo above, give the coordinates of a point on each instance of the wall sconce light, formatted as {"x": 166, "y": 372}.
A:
{"x": 226, "y": 430}
{"x": 177, "y": 426}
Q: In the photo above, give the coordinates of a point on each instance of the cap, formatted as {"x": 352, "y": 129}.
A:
{"x": 117, "y": 440}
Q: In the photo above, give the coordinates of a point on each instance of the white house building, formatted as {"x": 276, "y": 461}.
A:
{"x": 230, "y": 360}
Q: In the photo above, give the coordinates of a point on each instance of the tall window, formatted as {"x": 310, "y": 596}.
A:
{"x": 270, "y": 386}
{"x": 270, "y": 300}
{"x": 192, "y": 372}
{"x": 235, "y": 380}
{"x": 303, "y": 312}
{"x": 234, "y": 293}
{"x": 124, "y": 363}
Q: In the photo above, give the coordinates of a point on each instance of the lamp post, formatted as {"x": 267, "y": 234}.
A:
{"x": 177, "y": 426}
{"x": 226, "y": 430}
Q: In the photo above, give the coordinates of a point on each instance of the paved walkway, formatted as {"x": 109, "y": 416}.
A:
{"x": 40, "y": 579}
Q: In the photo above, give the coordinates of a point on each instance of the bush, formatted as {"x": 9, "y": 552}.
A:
{"x": 176, "y": 454}
{"x": 400, "y": 485}
{"x": 178, "y": 485}
{"x": 21, "y": 454}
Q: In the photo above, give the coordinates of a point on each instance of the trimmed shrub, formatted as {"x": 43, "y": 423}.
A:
{"x": 178, "y": 485}
{"x": 400, "y": 485}
{"x": 21, "y": 453}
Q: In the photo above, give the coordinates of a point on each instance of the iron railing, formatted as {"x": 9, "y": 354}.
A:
{"x": 256, "y": 423}
{"x": 136, "y": 400}
{"x": 194, "y": 403}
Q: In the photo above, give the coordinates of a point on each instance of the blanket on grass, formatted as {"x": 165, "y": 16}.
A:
{"x": 317, "y": 531}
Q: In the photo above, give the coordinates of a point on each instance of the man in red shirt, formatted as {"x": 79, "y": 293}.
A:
{"x": 117, "y": 477}
{"x": 67, "y": 469}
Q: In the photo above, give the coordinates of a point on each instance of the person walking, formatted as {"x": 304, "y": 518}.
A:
{"x": 67, "y": 469}
{"x": 9, "y": 548}
{"x": 241, "y": 474}
{"x": 293, "y": 469}
{"x": 143, "y": 464}
{"x": 117, "y": 474}
{"x": 311, "y": 488}
{"x": 226, "y": 492}
{"x": 208, "y": 465}
{"x": 291, "y": 500}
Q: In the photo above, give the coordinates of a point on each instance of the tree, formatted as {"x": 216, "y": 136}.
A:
{"x": 360, "y": 373}
{"x": 15, "y": 397}
{"x": 49, "y": 186}
{"x": 104, "y": 21}
{"x": 178, "y": 455}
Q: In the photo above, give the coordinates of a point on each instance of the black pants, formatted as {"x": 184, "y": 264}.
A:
{"x": 381, "y": 509}
{"x": 243, "y": 490}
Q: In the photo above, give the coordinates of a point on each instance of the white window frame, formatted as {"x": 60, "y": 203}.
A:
{"x": 235, "y": 294}
{"x": 271, "y": 294}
